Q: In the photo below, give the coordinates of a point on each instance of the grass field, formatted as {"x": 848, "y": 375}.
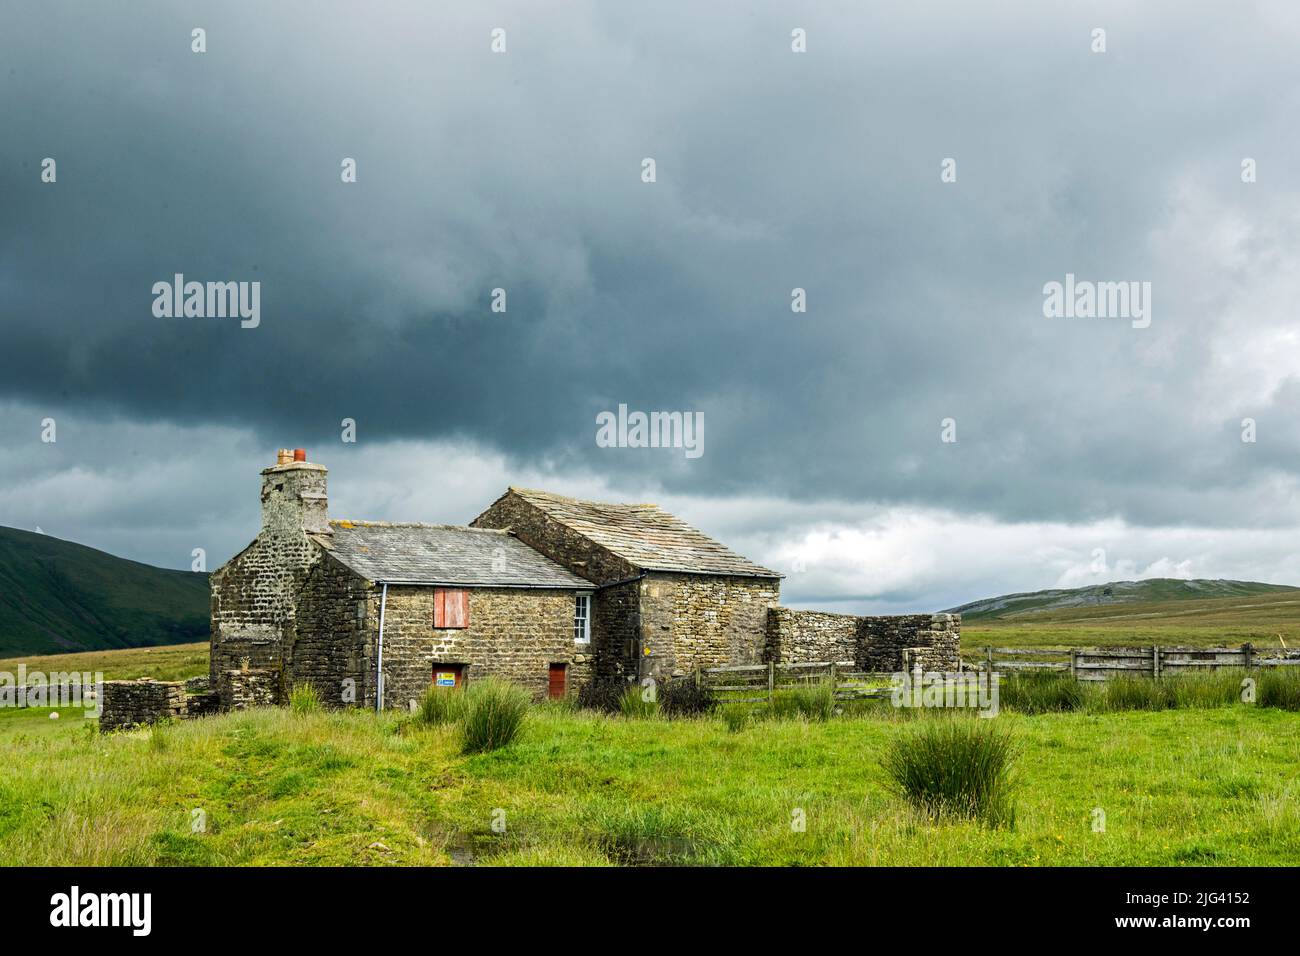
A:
{"x": 171, "y": 662}
{"x": 1212, "y": 786}
{"x": 1269, "y": 621}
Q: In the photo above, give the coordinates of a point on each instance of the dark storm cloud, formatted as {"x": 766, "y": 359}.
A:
{"x": 775, "y": 170}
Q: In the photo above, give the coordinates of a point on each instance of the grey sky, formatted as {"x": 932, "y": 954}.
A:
{"x": 775, "y": 170}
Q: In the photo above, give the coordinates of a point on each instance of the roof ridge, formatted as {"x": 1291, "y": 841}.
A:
{"x": 581, "y": 501}
{"x": 357, "y": 523}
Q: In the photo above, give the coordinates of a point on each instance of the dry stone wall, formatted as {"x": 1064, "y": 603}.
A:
{"x": 800, "y": 637}
{"x": 935, "y": 637}
{"x": 871, "y": 643}
{"x": 131, "y": 703}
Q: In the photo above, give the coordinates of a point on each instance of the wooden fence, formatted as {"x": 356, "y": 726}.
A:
{"x": 758, "y": 683}
{"x": 1100, "y": 663}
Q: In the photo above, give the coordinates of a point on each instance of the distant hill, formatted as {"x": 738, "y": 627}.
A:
{"x": 1095, "y": 600}
{"x": 56, "y": 596}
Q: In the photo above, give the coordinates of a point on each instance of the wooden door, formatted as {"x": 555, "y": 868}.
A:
{"x": 558, "y": 684}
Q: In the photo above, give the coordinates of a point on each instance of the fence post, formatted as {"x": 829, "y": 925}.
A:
{"x": 771, "y": 680}
{"x": 988, "y": 656}
{"x": 1155, "y": 660}
{"x": 699, "y": 677}
{"x": 1248, "y": 653}
{"x": 834, "y": 687}
{"x": 1074, "y": 663}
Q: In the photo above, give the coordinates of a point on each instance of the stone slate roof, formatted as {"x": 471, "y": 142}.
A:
{"x": 645, "y": 536}
{"x": 443, "y": 554}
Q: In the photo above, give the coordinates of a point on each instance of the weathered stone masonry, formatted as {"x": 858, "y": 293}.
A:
{"x": 513, "y": 633}
{"x": 871, "y": 643}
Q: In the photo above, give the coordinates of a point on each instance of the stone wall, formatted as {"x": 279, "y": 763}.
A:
{"x": 872, "y": 643}
{"x": 883, "y": 639}
{"x": 128, "y": 703}
{"x": 703, "y": 620}
{"x": 242, "y": 689}
{"x": 513, "y": 633}
{"x": 801, "y": 637}
{"x": 616, "y": 631}
{"x": 334, "y": 634}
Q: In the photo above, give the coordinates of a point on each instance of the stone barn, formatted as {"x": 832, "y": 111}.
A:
{"x": 668, "y": 597}
{"x": 547, "y": 591}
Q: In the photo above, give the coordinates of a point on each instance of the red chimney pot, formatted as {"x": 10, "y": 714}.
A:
{"x": 300, "y": 454}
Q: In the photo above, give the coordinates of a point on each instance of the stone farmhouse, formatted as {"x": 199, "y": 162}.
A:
{"x": 547, "y": 591}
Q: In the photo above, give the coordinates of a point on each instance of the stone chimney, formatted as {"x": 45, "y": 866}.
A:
{"x": 293, "y": 496}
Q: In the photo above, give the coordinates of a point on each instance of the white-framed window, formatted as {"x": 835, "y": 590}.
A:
{"x": 582, "y": 619}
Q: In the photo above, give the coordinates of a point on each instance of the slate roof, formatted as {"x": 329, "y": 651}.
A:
{"x": 645, "y": 536}
{"x": 443, "y": 554}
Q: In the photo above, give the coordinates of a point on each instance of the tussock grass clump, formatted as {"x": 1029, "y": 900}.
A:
{"x": 783, "y": 705}
{"x": 1279, "y": 687}
{"x": 440, "y": 705}
{"x": 958, "y": 767}
{"x": 494, "y": 714}
{"x": 304, "y": 699}
{"x": 1133, "y": 693}
{"x": 1211, "y": 688}
{"x": 815, "y": 701}
{"x": 735, "y": 716}
{"x": 1040, "y": 692}
{"x": 634, "y": 703}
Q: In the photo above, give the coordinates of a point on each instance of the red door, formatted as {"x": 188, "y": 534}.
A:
{"x": 448, "y": 675}
{"x": 558, "y": 677}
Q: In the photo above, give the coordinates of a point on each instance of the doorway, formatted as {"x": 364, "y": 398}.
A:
{"x": 557, "y": 685}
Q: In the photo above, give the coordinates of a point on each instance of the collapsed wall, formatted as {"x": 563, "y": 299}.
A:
{"x": 138, "y": 703}
{"x": 127, "y": 703}
{"x": 871, "y": 643}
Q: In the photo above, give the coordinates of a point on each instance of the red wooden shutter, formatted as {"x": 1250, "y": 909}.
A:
{"x": 458, "y": 609}
{"x": 450, "y": 607}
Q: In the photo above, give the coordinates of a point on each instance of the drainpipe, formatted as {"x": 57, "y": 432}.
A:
{"x": 379, "y": 676}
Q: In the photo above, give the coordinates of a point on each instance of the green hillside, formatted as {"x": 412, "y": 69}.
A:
{"x": 1160, "y": 611}
{"x": 1099, "y": 597}
{"x": 56, "y": 596}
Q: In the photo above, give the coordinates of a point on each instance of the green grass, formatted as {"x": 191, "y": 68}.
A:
{"x": 494, "y": 714}
{"x": 440, "y": 705}
{"x": 175, "y": 662}
{"x": 638, "y": 703}
{"x": 1279, "y": 687}
{"x": 958, "y": 767}
{"x": 1193, "y": 786}
{"x": 304, "y": 699}
{"x": 1038, "y": 692}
